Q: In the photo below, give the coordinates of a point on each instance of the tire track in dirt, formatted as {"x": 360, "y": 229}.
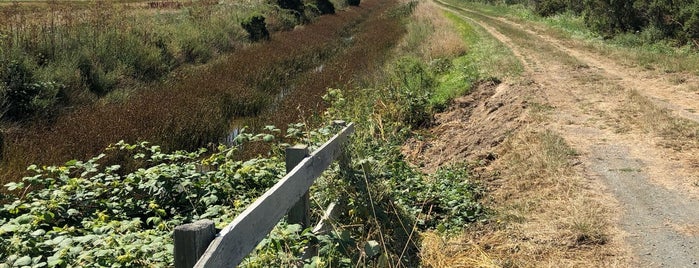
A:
{"x": 591, "y": 96}
{"x": 652, "y": 85}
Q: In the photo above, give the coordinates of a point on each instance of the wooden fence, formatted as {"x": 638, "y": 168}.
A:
{"x": 198, "y": 245}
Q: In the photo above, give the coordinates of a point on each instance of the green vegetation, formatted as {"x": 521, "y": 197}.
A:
{"x": 256, "y": 28}
{"x": 487, "y": 59}
{"x": 655, "y": 20}
{"x": 194, "y": 105}
{"x": 101, "y": 213}
{"x": 87, "y": 51}
{"x": 324, "y": 6}
{"x": 353, "y": 2}
{"x": 120, "y": 208}
{"x": 645, "y": 48}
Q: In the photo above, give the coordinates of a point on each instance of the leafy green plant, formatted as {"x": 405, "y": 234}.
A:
{"x": 95, "y": 213}
{"x": 446, "y": 200}
{"x": 413, "y": 84}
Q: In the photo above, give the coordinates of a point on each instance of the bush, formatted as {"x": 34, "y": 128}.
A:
{"x": 256, "y": 27}
{"x": 24, "y": 97}
{"x": 325, "y": 7}
{"x": 678, "y": 20}
{"x": 353, "y": 2}
{"x": 291, "y": 4}
{"x": 194, "y": 51}
{"x": 414, "y": 83}
{"x": 91, "y": 212}
{"x": 610, "y": 17}
{"x": 94, "y": 77}
{"x": 549, "y": 7}
{"x": 145, "y": 59}
{"x": 690, "y": 16}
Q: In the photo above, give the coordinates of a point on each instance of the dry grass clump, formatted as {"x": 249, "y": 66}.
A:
{"x": 677, "y": 133}
{"x": 434, "y": 35}
{"x": 440, "y": 252}
{"x": 547, "y": 215}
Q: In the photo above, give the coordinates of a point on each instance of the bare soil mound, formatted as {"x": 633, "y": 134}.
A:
{"x": 471, "y": 128}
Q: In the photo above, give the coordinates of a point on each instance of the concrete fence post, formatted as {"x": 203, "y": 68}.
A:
{"x": 300, "y": 212}
{"x": 191, "y": 241}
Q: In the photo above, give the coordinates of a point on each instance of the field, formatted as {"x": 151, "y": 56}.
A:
{"x": 133, "y": 92}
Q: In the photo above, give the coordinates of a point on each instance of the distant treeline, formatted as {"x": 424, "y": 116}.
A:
{"x": 676, "y": 20}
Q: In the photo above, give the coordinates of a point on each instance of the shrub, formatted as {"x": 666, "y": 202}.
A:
{"x": 94, "y": 77}
{"x": 311, "y": 11}
{"x": 325, "y": 6}
{"x": 24, "y": 97}
{"x": 353, "y": 2}
{"x": 291, "y": 4}
{"x": 193, "y": 51}
{"x": 549, "y": 7}
{"x": 678, "y": 20}
{"x": 256, "y": 27}
{"x": 91, "y": 212}
{"x": 690, "y": 16}
{"x": 414, "y": 83}
{"x": 610, "y": 17}
{"x": 145, "y": 59}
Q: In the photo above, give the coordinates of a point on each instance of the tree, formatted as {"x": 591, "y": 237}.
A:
{"x": 610, "y": 17}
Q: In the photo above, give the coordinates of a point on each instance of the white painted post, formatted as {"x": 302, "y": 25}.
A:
{"x": 300, "y": 212}
{"x": 191, "y": 241}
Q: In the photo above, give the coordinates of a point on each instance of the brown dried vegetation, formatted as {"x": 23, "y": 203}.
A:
{"x": 197, "y": 107}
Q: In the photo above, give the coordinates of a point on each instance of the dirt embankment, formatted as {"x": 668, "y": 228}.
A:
{"x": 595, "y": 163}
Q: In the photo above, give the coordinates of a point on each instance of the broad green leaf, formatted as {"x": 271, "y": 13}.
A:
{"x": 23, "y": 261}
{"x": 38, "y": 232}
{"x": 372, "y": 248}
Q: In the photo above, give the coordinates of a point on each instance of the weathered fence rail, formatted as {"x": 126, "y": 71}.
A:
{"x": 197, "y": 244}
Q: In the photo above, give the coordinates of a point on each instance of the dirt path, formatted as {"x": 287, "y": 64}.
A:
{"x": 635, "y": 130}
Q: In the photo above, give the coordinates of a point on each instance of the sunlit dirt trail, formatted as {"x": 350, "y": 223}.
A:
{"x": 635, "y": 131}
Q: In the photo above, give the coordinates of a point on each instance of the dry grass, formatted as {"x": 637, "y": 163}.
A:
{"x": 439, "y": 252}
{"x": 677, "y": 133}
{"x": 547, "y": 215}
{"x": 444, "y": 40}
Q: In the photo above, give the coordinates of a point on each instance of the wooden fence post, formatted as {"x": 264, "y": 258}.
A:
{"x": 300, "y": 212}
{"x": 191, "y": 241}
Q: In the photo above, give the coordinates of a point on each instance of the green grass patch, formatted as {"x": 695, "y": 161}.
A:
{"x": 486, "y": 58}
